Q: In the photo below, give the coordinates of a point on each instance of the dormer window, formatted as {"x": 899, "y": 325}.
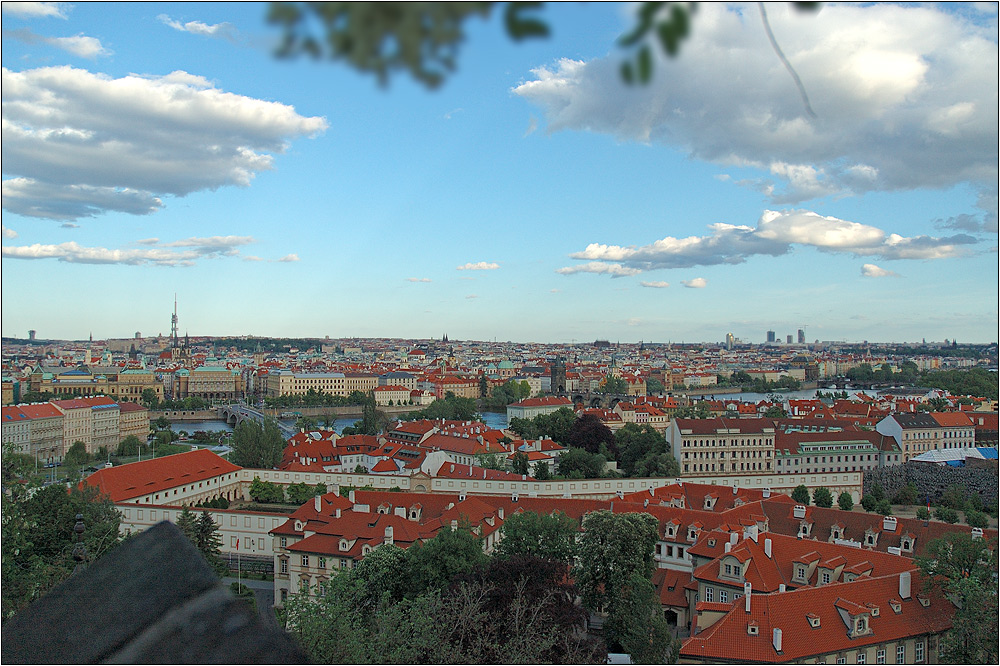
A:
{"x": 344, "y": 545}
{"x": 906, "y": 543}
{"x": 925, "y": 601}
{"x": 861, "y": 625}
{"x": 671, "y": 530}
{"x": 692, "y": 534}
{"x": 800, "y": 572}
{"x": 813, "y": 620}
{"x": 753, "y": 629}
{"x": 365, "y": 549}
{"x": 896, "y": 606}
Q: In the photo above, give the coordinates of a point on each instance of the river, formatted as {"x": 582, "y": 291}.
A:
{"x": 496, "y": 420}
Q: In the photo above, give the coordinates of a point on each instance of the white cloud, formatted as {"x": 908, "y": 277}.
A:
{"x": 873, "y": 271}
{"x": 905, "y": 98}
{"x": 655, "y": 285}
{"x": 77, "y": 144}
{"x": 36, "y": 9}
{"x": 478, "y": 266}
{"x": 69, "y": 225}
{"x": 554, "y": 291}
{"x": 614, "y": 270}
{"x": 775, "y": 234}
{"x": 80, "y": 45}
{"x": 696, "y": 283}
{"x": 8, "y": 233}
{"x": 225, "y": 31}
{"x": 472, "y": 296}
{"x": 415, "y": 279}
{"x": 251, "y": 257}
{"x": 154, "y": 253}
{"x": 289, "y": 258}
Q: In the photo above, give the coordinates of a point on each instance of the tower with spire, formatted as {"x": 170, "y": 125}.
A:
{"x": 173, "y": 325}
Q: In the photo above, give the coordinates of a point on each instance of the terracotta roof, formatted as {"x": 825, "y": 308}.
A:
{"x": 800, "y": 640}
{"x": 150, "y": 476}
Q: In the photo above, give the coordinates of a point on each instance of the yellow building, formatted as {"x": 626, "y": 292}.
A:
{"x": 286, "y": 382}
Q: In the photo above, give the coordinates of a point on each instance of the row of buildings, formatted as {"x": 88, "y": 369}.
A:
{"x": 743, "y": 574}
{"x": 47, "y": 430}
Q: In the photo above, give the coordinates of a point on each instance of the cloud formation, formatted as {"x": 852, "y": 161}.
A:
{"x": 32, "y": 10}
{"x": 696, "y": 283}
{"x": 77, "y": 144}
{"x": 8, "y": 233}
{"x": 153, "y": 252}
{"x": 415, "y": 279}
{"x": 905, "y": 98}
{"x": 873, "y": 271}
{"x": 478, "y": 266}
{"x": 225, "y": 31}
{"x": 80, "y": 45}
{"x": 288, "y": 259}
{"x": 655, "y": 285}
{"x": 775, "y": 234}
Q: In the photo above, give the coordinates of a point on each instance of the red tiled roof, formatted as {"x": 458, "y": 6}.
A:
{"x": 150, "y": 476}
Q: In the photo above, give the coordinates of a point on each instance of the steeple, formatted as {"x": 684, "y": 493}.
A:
{"x": 173, "y": 325}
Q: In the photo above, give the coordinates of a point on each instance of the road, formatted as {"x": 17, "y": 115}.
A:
{"x": 263, "y": 590}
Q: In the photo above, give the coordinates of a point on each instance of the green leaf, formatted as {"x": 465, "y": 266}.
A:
{"x": 645, "y": 64}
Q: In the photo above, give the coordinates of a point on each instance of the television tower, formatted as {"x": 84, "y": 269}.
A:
{"x": 173, "y": 325}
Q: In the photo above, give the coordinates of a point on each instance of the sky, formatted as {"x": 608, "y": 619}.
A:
{"x": 154, "y": 149}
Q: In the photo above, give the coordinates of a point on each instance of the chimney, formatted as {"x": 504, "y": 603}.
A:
{"x": 781, "y": 587}
{"x": 799, "y": 511}
{"x": 388, "y": 535}
{"x": 889, "y": 523}
{"x": 776, "y": 640}
{"x": 747, "y": 589}
{"x": 350, "y": 496}
{"x": 729, "y": 546}
{"x": 454, "y": 525}
{"x": 500, "y": 513}
{"x": 318, "y": 503}
{"x": 336, "y": 513}
{"x": 767, "y": 493}
{"x": 904, "y": 585}
{"x": 733, "y": 538}
{"x": 767, "y": 548}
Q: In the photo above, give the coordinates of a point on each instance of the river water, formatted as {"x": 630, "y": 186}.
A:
{"x": 498, "y": 420}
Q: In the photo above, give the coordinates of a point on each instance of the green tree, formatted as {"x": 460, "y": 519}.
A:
{"x": 868, "y": 503}
{"x": 613, "y": 547}
{"x": 266, "y": 492}
{"x": 519, "y": 464}
{"x": 300, "y": 493}
{"x": 634, "y": 443}
{"x": 955, "y": 497}
{"x": 654, "y": 386}
{"x": 38, "y": 538}
{"x": 76, "y": 455}
{"x": 613, "y": 385}
{"x": 149, "y": 398}
{"x": 434, "y": 563}
{"x": 589, "y": 432}
{"x": 161, "y": 423}
{"x": 822, "y": 497}
{"x": 907, "y": 494}
{"x": 801, "y": 494}
{"x": 977, "y": 519}
{"x": 209, "y": 543}
{"x": 636, "y": 625}
{"x": 878, "y": 492}
{"x": 257, "y": 446}
{"x": 883, "y": 507}
{"x": 946, "y": 514}
{"x": 130, "y": 446}
{"x": 187, "y": 522}
{"x": 845, "y": 501}
{"x": 923, "y": 513}
{"x": 579, "y": 464}
{"x": 657, "y": 465}
{"x": 965, "y": 568}
{"x": 775, "y": 412}
{"x": 542, "y": 471}
{"x": 548, "y": 536}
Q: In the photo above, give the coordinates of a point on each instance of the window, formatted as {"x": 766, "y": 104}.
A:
{"x": 724, "y": 596}
{"x": 729, "y": 569}
{"x": 862, "y": 657}
{"x": 880, "y": 656}
{"x": 900, "y": 654}
{"x": 826, "y": 577}
{"x": 918, "y": 651}
{"x": 709, "y": 594}
{"x": 322, "y": 563}
{"x": 841, "y": 660}
{"x": 284, "y": 542}
{"x": 284, "y": 566}
{"x": 305, "y": 560}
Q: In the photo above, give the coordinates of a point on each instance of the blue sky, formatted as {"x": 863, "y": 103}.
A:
{"x": 154, "y": 148}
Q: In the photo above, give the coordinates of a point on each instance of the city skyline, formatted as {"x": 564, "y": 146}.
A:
{"x": 154, "y": 148}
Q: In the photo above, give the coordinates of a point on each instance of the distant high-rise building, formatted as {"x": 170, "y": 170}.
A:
{"x": 802, "y": 337}
{"x": 730, "y": 341}
{"x": 771, "y": 336}
{"x": 31, "y": 334}
{"x": 788, "y": 338}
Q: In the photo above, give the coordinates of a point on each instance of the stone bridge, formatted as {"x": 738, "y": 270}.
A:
{"x": 236, "y": 414}
{"x": 591, "y": 399}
